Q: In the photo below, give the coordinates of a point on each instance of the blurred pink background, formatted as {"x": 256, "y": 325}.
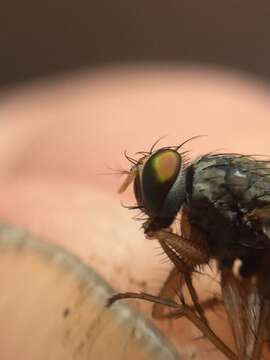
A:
{"x": 57, "y": 138}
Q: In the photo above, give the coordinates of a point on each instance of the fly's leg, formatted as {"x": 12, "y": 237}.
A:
{"x": 142, "y": 296}
{"x": 182, "y": 310}
{"x": 210, "y": 303}
{"x": 171, "y": 287}
{"x": 207, "y": 332}
{"x": 190, "y": 252}
{"x": 185, "y": 255}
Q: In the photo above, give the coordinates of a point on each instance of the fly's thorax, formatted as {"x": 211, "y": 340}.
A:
{"x": 224, "y": 189}
{"x": 209, "y": 197}
{"x": 230, "y": 183}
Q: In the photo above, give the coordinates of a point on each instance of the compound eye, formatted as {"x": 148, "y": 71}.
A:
{"x": 162, "y": 183}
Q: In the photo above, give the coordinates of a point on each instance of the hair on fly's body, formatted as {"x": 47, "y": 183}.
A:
{"x": 215, "y": 209}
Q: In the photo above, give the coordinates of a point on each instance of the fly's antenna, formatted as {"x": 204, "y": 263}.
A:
{"x": 128, "y": 180}
{"x": 113, "y": 171}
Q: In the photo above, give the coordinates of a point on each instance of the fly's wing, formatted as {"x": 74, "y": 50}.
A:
{"x": 261, "y": 218}
{"x": 247, "y": 311}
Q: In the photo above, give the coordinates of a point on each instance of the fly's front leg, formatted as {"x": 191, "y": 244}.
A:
{"x": 191, "y": 246}
{"x": 190, "y": 252}
{"x": 181, "y": 310}
{"x": 185, "y": 271}
{"x": 185, "y": 254}
{"x": 142, "y": 296}
{"x": 170, "y": 289}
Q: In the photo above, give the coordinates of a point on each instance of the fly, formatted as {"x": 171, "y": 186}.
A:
{"x": 224, "y": 205}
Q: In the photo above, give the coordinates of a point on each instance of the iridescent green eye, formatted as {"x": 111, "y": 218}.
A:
{"x": 160, "y": 188}
{"x": 164, "y": 166}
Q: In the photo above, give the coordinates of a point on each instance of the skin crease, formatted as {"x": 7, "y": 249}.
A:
{"x": 58, "y": 137}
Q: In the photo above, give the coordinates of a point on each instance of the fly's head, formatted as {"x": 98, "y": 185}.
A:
{"x": 159, "y": 182}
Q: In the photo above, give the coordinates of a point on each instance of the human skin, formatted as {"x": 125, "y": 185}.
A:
{"x": 59, "y": 137}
